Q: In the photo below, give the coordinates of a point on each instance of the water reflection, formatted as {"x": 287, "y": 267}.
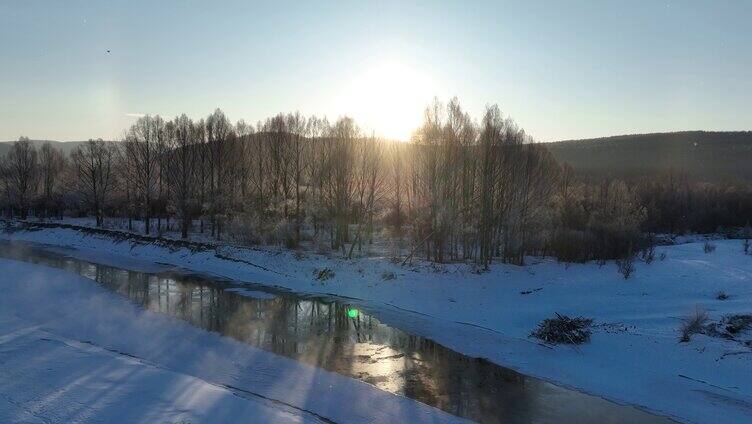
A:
{"x": 326, "y": 333}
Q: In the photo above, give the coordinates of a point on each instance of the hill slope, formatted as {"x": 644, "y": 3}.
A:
{"x": 65, "y": 146}
{"x": 702, "y": 155}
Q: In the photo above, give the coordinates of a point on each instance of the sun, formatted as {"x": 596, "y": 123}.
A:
{"x": 388, "y": 99}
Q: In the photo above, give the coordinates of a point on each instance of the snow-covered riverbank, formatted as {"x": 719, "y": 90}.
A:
{"x": 633, "y": 357}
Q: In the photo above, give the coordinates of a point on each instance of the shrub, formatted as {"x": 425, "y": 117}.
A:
{"x": 708, "y": 247}
{"x": 721, "y": 295}
{"x": 735, "y": 324}
{"x": 693, "y": 324}
{"x": 662, "y": 256}
{"x": 746, "y": 245}
{"x": 285, "y": 234}
{"x": 242, "y": 230}
{"x": 322, "y": 246}
{"x": 480, "y": 269}
{"x": 626, "y": 266}
{"x": 563, "y": 329}
{"x": 729, "y": 327}
{"x": 648, "y": 254}
{"x": 388, "y": 275}
{"x": 569, "y": 245}
{"x": 323, "y": 274}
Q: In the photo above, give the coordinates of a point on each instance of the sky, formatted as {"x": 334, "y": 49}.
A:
{"x": 73, "y": 70}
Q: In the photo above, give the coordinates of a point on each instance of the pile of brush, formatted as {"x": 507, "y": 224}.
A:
{"x": 563, "y": 329}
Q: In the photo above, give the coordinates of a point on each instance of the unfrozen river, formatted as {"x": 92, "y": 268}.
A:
{"x": 332, "y": 334}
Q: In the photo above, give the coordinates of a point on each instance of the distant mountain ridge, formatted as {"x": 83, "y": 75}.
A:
{"x": 702, "y": 155}
{"x": 65, "y": 146}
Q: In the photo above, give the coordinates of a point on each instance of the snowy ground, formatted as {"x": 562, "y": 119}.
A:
{"x": 634, "y": 356}
{"x": 71, "y": 351}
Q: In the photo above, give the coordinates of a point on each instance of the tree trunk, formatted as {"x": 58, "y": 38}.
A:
{"x": 184, "y": 227}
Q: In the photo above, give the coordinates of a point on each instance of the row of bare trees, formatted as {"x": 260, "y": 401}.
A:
{"x": 460, "y": 190}
{"x": 480, "y": 191}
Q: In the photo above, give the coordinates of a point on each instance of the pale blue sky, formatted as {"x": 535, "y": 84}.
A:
{"x": 561, "y": 69}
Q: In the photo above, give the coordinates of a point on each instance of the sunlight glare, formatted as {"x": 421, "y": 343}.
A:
{"x": 388, "y": 99}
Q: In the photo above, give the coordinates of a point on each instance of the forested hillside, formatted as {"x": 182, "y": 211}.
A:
{"x": 700, "y": 155}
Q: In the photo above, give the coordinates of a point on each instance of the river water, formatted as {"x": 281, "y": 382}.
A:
{"x": 335, "y": 335}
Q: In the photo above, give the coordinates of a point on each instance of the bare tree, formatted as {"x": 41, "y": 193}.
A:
{"x": 342, "y": 137}
{"x": 203, "y": 171}
{"x": 299, "y": 128}
{"x": 141, "y": 150}
{"x": 220, "y": 138}
{"x": 51, "y": 167}
{"x": 368, "y": 187}
{"x": 245, "y": 152}
{"x": 278, "y": 146}
{"x": 181, "y": 168}
{"x": 439, "y": 144}
{"x": 491, "y": 140}
{"x": 396, "y": 157}
{"x": 21, "y": 169}
{"x": 94, "y": 164}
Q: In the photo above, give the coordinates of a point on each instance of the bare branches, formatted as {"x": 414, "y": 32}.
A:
{"x": 21, "y": 174}
{"x": 51, "y": 166}
{"x": 141, "y": 149}
{"x": 94, "y": 164}
{"x": 181, "y": 168}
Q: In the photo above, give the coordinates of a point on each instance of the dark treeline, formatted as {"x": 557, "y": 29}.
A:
{"x": 460, "y": 190}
